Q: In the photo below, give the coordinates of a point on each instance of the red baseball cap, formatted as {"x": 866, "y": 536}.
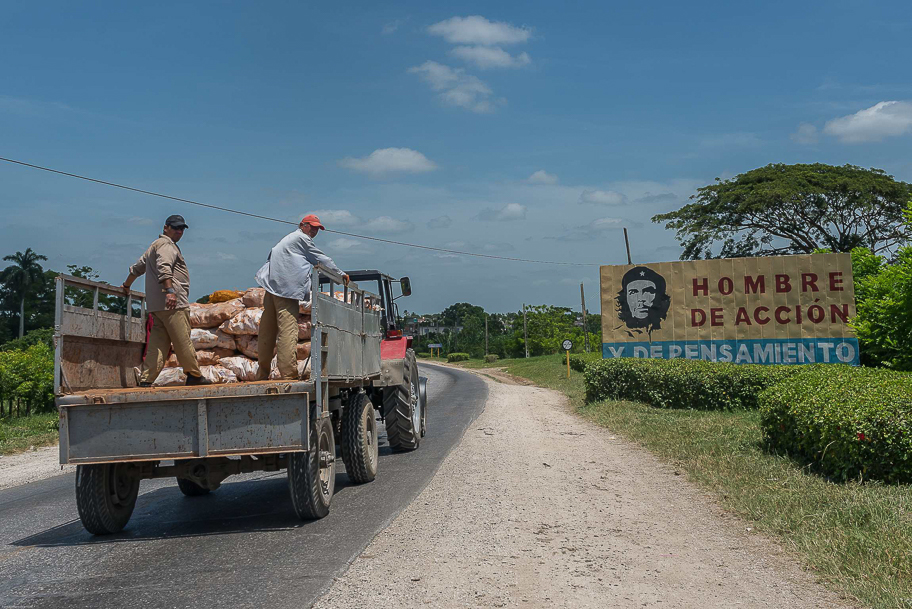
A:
{"x": 313, "y": 221}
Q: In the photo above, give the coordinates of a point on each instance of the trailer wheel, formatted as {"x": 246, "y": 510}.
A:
{"x": 422, "y": 396}
{"x": 402, "y": 408}
{"x": 359, "y": 439}
{"x": 105, "y": 496}
{"x": 312, "y": 475}
{"x": 191, "y": 488}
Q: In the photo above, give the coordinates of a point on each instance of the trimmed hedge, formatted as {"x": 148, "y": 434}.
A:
{"x": 578, "y": 361}
{"x": 490, "y": 359}
{"x": 458, "y": 357}
{"x": 851, "y": 423}
{"x": 681, "y": 383}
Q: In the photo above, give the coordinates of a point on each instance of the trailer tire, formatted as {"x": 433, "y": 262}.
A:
{"x": 311, "y": 475}
{"x": 105, "y": 496}
{"x": 359, "y": 439}
{"x": 402, "y": 408}
{"x": 191, "y": 488}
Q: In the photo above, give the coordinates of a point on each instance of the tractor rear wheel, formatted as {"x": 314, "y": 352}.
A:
{"x": 402, "y": 408}
{"x": 359, "y": 439}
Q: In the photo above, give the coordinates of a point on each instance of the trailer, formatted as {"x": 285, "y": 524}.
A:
{"x": 118, "y": 434}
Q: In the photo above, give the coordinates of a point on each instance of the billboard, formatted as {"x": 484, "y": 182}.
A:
{"x": 773, "y": 310}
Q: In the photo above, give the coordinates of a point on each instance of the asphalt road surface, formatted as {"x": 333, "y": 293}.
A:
{"x": 238, "y": 547}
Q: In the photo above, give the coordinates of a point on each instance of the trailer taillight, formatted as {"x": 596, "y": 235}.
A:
{"x": 394, "y": 333}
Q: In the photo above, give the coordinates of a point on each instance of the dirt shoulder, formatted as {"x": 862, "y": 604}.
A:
{"x": 538, "y": 507}
{"x": 31, "y": 466}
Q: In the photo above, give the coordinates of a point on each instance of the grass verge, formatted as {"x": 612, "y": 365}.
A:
{"x": 856, "y": 537}
{"x": 19, "y": 433}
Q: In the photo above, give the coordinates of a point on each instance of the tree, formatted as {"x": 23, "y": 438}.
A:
{"x": 793, "y": 209}
{"x": 21, "y": 277}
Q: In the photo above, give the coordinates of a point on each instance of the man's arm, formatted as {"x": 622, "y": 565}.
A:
{"x": 164, "y": 261}
{"x": 316, "y": 256}
{"x": 137, "y": 270}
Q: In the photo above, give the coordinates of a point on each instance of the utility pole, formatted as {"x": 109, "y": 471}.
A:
{"x": 455, "y": 343}
{"x": 525, "y": 334}
{"x": 585, "y": 317}
{"x": 627, "y": 243}
{"x": 486, "y": 334}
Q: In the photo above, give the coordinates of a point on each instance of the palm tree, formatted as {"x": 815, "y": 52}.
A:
{"x": 21, "y": 276}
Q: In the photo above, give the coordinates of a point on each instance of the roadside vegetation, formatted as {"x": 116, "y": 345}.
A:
{"x": 18, "y": 434}
{"x": 855, "y": 535}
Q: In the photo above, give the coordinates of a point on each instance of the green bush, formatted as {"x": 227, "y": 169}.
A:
{"x": 490, "y": 359}
{"x": 41, "y": 335}
{"x": 578, "y": 361}
{"x": 849, "y": 422}
{"x": 458, "y": 357}
{"x": 424, "y": 354}
{"x": 27, "y": 376}
{"x": 682, "y": 383}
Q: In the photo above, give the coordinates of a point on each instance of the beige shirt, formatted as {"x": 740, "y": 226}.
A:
{"x": 163, "y": 260}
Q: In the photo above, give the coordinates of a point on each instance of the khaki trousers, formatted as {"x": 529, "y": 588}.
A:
{"x": 279, "y": 335}
{"x": 169, "y": 329}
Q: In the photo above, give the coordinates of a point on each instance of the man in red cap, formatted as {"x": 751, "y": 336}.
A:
{"x": 286, "y": 279}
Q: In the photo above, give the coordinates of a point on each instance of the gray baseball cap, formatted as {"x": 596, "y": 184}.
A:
{"x": 176, "y": 221}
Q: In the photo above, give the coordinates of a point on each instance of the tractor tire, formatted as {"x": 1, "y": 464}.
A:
{"x": 191, "y": 488}
{"x": 402, "y": 409}
{"x": 105, "y": 497}
{"x": 312, "y": 474}
{"x": 360, "y": 452}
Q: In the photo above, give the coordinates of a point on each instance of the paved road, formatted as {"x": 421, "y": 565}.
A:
{"x": 238, "y": 547}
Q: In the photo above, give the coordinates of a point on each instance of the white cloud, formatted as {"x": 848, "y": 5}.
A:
{"x": 336, "y": 217}
{"x": 806, "y": 134}
{"x": 390, "y": 160}
{"x": 542, "y": 177}
{"x": 455, "y": 87}
{"x": 490, "y": 57}
{"x": 882, "y": 120}
{"x": 478, "y": 30}
{"x": 594, "y": 230}
{"x": 140, "y": 221}
{"x": 344, "y": 243}
{"x": 386, "y": 224}
{"x": 602, "y": 197}
{"x": 440, "y": 222}
{"x": 391, "y": 27}
{"x": 507, "y": 213}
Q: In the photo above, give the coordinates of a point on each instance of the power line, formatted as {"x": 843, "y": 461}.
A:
{"x": 261, "y": 217}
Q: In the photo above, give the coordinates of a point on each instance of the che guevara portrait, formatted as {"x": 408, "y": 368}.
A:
{"x": 643, "y": 301}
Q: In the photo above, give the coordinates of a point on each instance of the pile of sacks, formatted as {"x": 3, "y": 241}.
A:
{"x": 225, "y": 337}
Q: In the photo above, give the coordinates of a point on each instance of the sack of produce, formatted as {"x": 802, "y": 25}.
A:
{"x": 244, "y": 368}
{"x": 303, "y": 350}
{"x": 247, "y": 344}
{"x": 225, "y": 341}
{"x": 170, "y": 377}
{"x": 220, "y": 353}
{"x": 304, "y": 328}
{"x": 203, "y": 358}
{"x": 203, "y": 339}
{"x": 212, "y": 315}
{"x": 254, "y": 297}
{"x": 303, "y": 370}
{"x": 218, "y": 374}
{"x": 223, "y": 296}
{"x": 245, "y": 322}
{"x": 304, "y": 307}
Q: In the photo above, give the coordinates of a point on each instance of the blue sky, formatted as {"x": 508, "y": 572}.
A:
{"x": 532, "y": 130}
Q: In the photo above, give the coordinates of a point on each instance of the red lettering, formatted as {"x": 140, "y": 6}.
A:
{"x": 836, "y": 281}
{"x": 704, "y": 286}
{"x": 798, "y": 315}
{"x": 816, "y": 313}
{"x": 697, "y": 317}
{"x": 761, "y": 320}
{"x": 779, "y": 318}
{"x": 742, "y": 317}
{"x": 726, "y": 286}
{"x": 715, "y": 317}
{"x": 809, "y": 280}
{"x": 839, "y": 313}
{"x": 783, "y": 284}
{"x": 754, "y": 285}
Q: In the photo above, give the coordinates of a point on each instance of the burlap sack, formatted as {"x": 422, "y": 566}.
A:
{"x": 170, "y": 377}
{"x": 247, "y": 322}
{"x": 304, "y": 328}
{"x": 203, "y": 339}
{"x": 203, "y": 358}
{"x": 225, "y": 341}
{"x": 302, "y": 351}
{"x": 254, "y": 297}
{"x": 244, "y": 368}
{"x": 212, "y": 315}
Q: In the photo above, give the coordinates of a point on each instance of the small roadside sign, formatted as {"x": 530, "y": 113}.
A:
{"x": 437, "y": 346}
{"x": 567, "y": 344}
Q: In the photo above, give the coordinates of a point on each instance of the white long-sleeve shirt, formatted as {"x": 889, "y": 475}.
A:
{"x": 288, "y": 267}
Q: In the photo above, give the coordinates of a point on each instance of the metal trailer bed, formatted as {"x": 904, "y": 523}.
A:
{"x": 120, "y": 433}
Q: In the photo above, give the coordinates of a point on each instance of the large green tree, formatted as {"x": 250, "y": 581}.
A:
{"x": 22, "y": 277}
{"x": 793, "y": 209}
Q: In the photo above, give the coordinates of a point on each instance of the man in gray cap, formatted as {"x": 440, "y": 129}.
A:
{"x": 167, "y": 288}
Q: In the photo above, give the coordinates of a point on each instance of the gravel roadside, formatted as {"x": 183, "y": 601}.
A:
{"x": 31, "y": 466}
{"x": 538, "y": 507}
